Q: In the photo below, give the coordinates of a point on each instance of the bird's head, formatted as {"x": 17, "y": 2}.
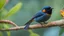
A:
{"x": 47, "y": 9}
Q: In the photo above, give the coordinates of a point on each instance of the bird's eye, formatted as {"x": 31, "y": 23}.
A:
{"x": 43, "y": 10}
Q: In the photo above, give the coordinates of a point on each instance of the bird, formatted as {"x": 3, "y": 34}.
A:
{"x": 41, "y": 16}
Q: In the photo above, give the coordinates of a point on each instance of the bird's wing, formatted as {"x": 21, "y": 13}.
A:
{"x": 38, "y": 14}
{"x": 35, "y": 16}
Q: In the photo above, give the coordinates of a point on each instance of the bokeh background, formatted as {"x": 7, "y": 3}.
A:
{"x": 31, "y": 7}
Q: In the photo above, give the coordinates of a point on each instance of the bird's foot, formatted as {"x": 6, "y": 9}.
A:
{"x": 45, "y": 22}
{"x": 41, "y": 23}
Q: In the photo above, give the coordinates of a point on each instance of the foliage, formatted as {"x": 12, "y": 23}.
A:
{"x": 32, "y": 33}
{"x": 2, "y": 3}
{"x": 12, "y": 11}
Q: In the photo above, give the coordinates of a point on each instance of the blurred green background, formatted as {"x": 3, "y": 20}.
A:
{"x": 28, "y": 9}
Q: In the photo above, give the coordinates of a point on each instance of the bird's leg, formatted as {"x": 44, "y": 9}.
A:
{"x": 45, "y": 22}
{"x": 40, "y": 23}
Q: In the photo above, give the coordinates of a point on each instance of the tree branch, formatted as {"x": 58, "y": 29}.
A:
{"x": 35, "y": 26}
{"x": 8, "y": 22}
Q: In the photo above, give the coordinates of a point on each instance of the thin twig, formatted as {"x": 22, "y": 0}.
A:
{"x": 9, "y": 22}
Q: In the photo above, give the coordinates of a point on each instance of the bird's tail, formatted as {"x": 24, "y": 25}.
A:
{"x": 27, "y": 26}
{"x": 28, "y": 23}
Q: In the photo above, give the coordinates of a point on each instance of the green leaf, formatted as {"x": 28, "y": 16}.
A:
{"x": 61, "y": 31}
{"x": 1, "y": 34}
{"x": 8, "y": 33}
{"x": 13, "y": 10}
{"x": 6, "y": 27}
{"x": 2, "y": 3}
{"x": 32, "y": 33}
